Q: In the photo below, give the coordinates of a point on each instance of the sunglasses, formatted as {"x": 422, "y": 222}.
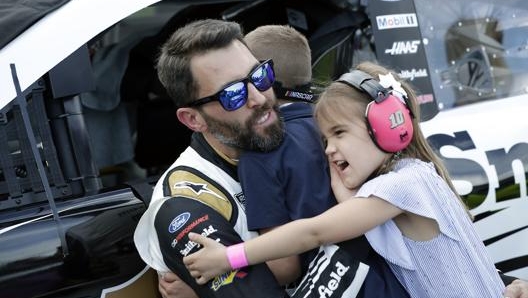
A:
{"x": 235, "y": 94}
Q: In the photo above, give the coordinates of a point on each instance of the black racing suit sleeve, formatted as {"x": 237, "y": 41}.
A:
{"x": 176, "y": 218}
{"x": 507, "y": 279}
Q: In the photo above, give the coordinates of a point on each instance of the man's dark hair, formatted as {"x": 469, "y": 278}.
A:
{"x": 195, "y": 38}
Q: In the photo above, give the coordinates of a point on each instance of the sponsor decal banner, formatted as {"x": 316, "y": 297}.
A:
{"x": 332, "y": 273}
{"x": 189, "y": 245}
{"x": 399, "y": 44}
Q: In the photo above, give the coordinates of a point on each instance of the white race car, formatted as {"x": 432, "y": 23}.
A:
{"x": 82, "y": 109}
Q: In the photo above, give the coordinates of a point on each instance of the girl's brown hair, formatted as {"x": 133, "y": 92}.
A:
{"x": 340, "y": 101}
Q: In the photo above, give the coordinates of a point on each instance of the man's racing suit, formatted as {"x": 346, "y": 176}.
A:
{"x": 200, "y": 193}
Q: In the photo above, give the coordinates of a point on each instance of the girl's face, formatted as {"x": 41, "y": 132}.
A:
{"x": 350, "y": 149}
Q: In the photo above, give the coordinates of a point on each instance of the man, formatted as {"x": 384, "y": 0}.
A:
{"x": 224, "y": 95}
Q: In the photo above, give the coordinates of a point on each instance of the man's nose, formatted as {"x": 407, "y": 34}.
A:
{"x": 255, "y": 97}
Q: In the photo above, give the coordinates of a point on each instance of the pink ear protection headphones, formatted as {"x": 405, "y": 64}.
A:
{"x": 389, "y": 120}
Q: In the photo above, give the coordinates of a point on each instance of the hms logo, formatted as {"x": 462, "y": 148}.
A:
{"x": 391, "y": 21}
{"x": 403, "y": 47}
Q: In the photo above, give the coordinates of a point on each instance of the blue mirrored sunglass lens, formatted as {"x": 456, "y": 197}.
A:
{"x": 263, "y": 77}
{"x": 234, "y": 96}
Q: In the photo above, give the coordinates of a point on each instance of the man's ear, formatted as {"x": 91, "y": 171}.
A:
{"x": 191, "y": 118}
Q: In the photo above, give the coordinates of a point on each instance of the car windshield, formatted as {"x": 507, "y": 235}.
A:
{"x": 476, "y": 50}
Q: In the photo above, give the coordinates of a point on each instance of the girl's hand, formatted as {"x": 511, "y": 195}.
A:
{"x": 341, "y": 192}
{"x": 210, "y": 261}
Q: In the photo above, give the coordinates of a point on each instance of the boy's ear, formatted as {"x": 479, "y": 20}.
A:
{"x": 191, "y": 118}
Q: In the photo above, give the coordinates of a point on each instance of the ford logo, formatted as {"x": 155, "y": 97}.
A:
{"x": 178, "y": 222}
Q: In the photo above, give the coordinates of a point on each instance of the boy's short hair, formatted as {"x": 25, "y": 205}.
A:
{"x": 289, "y": 50}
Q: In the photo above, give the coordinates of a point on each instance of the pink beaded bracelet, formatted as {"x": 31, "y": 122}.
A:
{"x": 236, "y": 255}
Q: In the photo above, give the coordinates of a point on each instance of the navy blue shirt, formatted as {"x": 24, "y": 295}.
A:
{"x": 290, "y": 182}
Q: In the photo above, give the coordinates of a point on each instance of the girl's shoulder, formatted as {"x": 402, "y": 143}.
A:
{"x": 405, "y": 171}
{"x": 413, "y": 164}
{"x": 408, "y": 178}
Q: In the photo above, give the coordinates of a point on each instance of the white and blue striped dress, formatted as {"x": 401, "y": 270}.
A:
{"x": 453, "y": 264}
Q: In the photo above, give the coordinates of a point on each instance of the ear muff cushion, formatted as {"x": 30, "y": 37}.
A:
{"x": 390, "y": 124}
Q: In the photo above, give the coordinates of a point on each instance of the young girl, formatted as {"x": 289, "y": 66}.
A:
{"x": 391, "y": 187}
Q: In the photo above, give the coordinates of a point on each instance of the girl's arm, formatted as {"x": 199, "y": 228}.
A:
{"x": 344, "y": 221}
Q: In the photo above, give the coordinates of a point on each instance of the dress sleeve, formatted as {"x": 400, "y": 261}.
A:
{"x": 412, "y": 190}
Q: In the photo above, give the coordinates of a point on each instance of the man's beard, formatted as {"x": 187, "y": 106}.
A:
{"x": 242, "y": 135}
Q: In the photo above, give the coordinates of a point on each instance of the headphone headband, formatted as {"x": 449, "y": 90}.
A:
{"x": 366, "y": 83}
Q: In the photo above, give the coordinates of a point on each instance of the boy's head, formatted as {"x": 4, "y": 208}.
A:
{"x": 289, "y": 50}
